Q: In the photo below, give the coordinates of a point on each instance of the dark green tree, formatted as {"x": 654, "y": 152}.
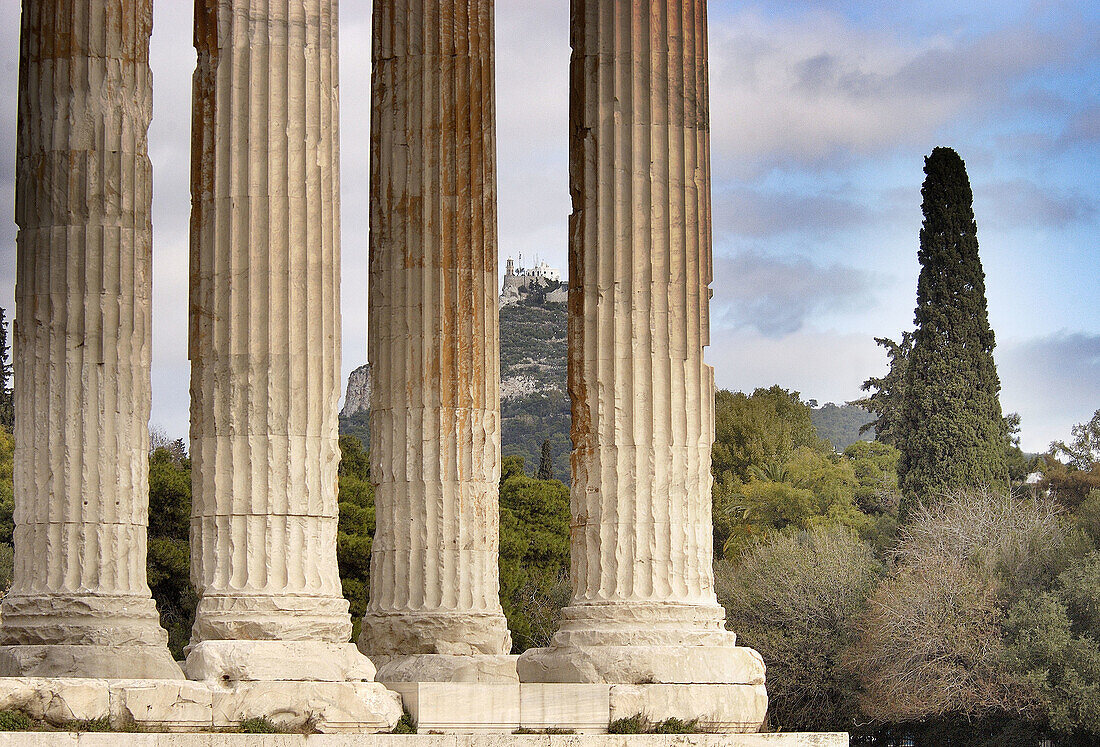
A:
{"x": 546, "y": 462}
{"x": 886, "y": 401}
{"x": 7, "y": 405}
{"x": 952, "y": 435}
{"x": 534, "y": 555}
{"x": 168, "y": 562}
{"x": 355, "y": 532}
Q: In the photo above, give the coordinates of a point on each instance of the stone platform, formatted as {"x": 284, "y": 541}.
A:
{"x": 368, "y": 707}
{"x": 582, "y": 708}
{"x": 183, "y": 705}
{"x": 29, "y": 739}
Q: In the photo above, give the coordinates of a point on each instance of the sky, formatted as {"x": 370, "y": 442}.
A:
{"x": 822, "y": 114}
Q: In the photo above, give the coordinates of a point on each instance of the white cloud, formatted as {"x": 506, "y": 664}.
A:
{"x": 778, "y": 295}
{"x": 815, "y": 88}
{"x": 822, "y": 364}
{"x": 1052, "y": 381}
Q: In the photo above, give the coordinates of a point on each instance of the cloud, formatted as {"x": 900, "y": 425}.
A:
{"x": 821, "y": 364}
{"x": 777, "y": 295}
{"x": 1053, "y": 381}
{"x": 1023, "y": 203}
{"x": 744, "y": 211}
{"x": 816, "y": 88}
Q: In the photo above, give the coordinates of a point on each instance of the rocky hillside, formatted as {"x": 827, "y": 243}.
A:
{"x": 534, "y": 402}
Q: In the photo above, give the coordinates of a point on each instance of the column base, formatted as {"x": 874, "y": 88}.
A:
{"x": 455, "y": 633}
{"x": 228, "y": 662}
{"x": 637, "y": 665}
{"x": 84, "y": 635}
{"x": 125, "y": 662}
{"x": 269, "y": 617}
{"x": 643, "y": 643}
{"x": 500, "y": 668}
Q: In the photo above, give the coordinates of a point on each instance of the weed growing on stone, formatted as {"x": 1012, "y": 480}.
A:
{"x": 15, "y": 721}
{"x": 405, "y": 725}
{"x": 639, "y": 723}
{"x": 261, "y": 725}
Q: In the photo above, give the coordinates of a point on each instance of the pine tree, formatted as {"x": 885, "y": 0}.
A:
{"x": 546, "y": 462}
{"x": 952, "y": 434}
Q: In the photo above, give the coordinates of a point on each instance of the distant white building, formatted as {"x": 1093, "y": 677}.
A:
{"x": 519, "y": 281}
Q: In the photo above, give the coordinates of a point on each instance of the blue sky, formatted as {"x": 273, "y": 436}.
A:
{"x": 822, "y": 114}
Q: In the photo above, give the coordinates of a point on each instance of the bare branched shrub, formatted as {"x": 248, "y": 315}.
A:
{"x": 794, "y": 598}
{"x": 932, "y": 641}
{"x": 542, "y": 604}
{"x": 1000, "y": 534}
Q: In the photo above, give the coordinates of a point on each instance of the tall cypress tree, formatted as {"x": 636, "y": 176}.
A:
{"x": 546, "y": 463}
{"x": 952, "y": 435}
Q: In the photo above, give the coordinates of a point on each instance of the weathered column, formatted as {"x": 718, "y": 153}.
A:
{"x": 80, "y": 605}
{"x": 643, "y": 608}
{"x": 434, "y": 343}
{"x": 264, "y": 344}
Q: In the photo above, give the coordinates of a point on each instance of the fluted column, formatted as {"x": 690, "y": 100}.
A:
{"x": 265, "y": 334}
{"x": 434, "y": 339}
{"x": 80, "y": 605}
{"x": 643, "y": 607}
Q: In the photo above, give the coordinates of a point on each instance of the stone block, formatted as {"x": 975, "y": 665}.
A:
{"x": 447, "y": 668}
{"x": 88, "y": 661}
{"x": 638, "y": 664}
{"x": 56, "y": 701}
{"x": 723, "y": 708}
{"x": 461, "y": 707}
{"x": 580, "y": 707}
{"x": 327, "y": 706}
{"x": 161, "y": 704}
{"x": 266, "y": 661}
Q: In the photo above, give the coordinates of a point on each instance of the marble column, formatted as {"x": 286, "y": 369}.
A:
{"x": 264, "y": 344}
{"x": 80, "y": 605}
{"x": 643, "y": 607}
{"x": 434, "y": 342}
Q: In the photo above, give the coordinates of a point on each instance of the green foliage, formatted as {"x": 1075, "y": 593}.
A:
{"x": 990, "y": 617}
{"x": 1052, "y": 640}
{"x": 357, "y": 425}
{"x": 405, "y": 725}
{"x": 261, "y": 725}
{"x": 15, "y": 721}
{"x": 639, "y": 723}
{"x": 7, "y": 488}
{"x": 355, "y": 531}
{"x": 758, "y": 429}
{"x": 952, "y": 434}
{"x": 772, "y": 472}
{"x": 1071, "y": 482}
{"x": 533, "y": 349}
{"x": 794, "y": 597}
{"x": 7, "y": 403}
{"x": 546, "y": 462}
{"x": 533, "y": 556}
{"x": 101, "y": 724}
{"x": 842, "y": 425}
{"x": 168, "y": 561}
{"x": 887, "y": 401}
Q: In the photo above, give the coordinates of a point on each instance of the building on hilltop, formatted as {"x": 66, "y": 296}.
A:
{"x": 520, "y": 282}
